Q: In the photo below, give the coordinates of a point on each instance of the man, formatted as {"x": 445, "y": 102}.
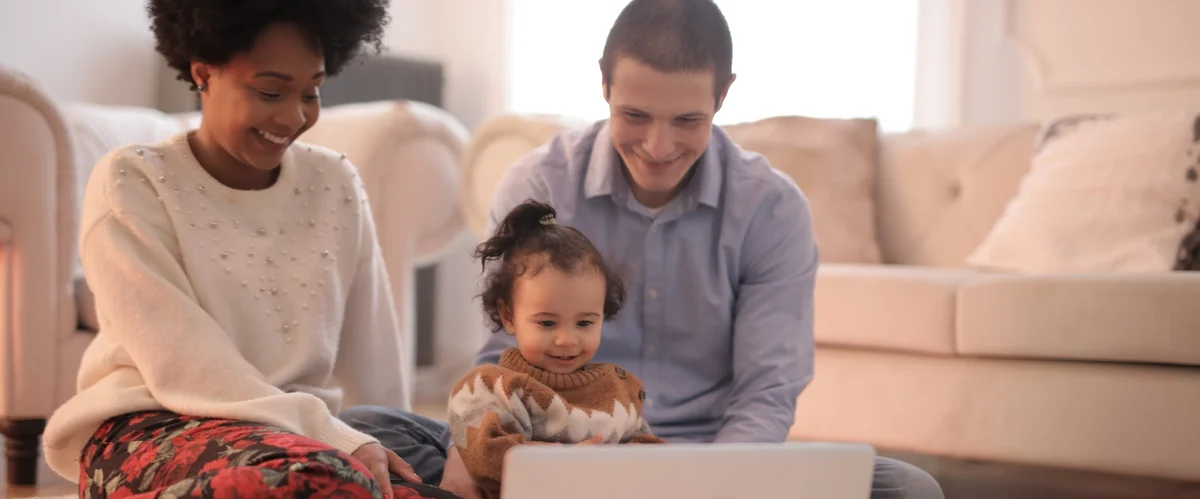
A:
{"x": 717, "y": 248}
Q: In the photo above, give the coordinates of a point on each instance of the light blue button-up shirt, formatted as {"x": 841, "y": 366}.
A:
{"x": 718, "y": 319}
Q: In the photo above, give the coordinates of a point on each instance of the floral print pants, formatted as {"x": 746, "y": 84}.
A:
{"x": 164, "y": 455}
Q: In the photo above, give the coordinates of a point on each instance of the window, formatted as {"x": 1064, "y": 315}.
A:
{"x": 849, "y": 58}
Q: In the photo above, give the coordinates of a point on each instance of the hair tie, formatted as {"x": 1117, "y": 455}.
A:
{"x": 547, "y": 219}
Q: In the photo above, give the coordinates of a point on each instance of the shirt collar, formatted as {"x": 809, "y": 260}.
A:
{"x": 601, "y": 165}
{"x": 604, "y": 177}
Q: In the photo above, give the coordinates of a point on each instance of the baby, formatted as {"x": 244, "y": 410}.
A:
{"x": 552, "y": 290}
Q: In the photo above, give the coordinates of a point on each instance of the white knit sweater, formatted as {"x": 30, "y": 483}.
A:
{"x": 269, "y": 306}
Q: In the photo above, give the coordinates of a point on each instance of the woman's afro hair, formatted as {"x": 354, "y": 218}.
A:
{"x": 214, "y": 31}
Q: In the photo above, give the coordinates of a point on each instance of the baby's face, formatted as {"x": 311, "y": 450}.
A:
{"x": 557, "y": 316}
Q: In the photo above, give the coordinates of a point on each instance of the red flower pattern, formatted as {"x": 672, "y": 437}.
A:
{"x": 215, "y": 465}
{"x": 128, "y": 446}
{"x": 239, "y": 482}
{"x": 138, "y": 461}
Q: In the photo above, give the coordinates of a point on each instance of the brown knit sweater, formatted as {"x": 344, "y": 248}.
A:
{"x": 495, "y": 407}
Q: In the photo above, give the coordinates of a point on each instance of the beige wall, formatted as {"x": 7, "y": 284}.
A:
{"x": 476, "y": 40}
{"x": 1128, "y": 55}
{"x": 82, "y": 50}
{"x": 982, "y": 61}
{"x": 102, "y": 51}
{"x": 470, "y": 38}
{"x": 1034, "y": 59}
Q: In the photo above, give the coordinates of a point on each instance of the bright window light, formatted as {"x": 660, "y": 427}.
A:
{"x": 818, "y": 58}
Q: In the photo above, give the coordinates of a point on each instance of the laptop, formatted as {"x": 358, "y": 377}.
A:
{"x": 692, "y": 471}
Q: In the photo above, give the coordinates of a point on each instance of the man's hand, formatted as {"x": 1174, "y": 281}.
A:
{"x": 380, "y": 461}
{"x": 456, "y": 478}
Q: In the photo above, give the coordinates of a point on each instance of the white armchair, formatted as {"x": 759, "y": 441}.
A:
{"x": 407, "y": 153}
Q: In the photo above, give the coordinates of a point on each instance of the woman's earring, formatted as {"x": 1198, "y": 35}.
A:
{"x": 202, "y": 87}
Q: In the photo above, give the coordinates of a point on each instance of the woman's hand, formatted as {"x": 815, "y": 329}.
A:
{"x": 381, "y": 461}
{"x": 456, "y": 478}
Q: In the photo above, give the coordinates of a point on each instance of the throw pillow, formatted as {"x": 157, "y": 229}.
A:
{"x": 1105, "y": 193}
{"x": 834, "y": 162}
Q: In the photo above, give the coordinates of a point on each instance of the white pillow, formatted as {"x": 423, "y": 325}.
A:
{"x": 1103, "y": 194}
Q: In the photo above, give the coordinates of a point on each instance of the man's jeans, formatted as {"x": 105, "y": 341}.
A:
{"x": 418, "y": 440}
{"x": 415, "y": 438}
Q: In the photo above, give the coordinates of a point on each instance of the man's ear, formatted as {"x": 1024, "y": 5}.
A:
{"x": 725, "y": 91}
{"x": 603, "y": 83}
{"x": 201, "y": 73}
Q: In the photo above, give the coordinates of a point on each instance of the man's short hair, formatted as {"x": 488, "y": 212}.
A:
{"x": 670, "y": 36}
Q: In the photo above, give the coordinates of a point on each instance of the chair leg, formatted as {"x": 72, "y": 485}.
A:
{"x": 21, "y": 439}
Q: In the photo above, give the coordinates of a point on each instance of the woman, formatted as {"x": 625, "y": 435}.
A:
{"x": 241, "y": 293}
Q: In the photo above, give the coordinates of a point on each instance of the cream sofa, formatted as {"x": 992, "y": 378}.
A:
{"x": 922, "y": 353}
{"x": 408, "y": 155}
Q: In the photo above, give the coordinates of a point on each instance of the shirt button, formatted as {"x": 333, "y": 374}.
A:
{"x": 653, "y": 294}
{"x": 649, "y": 402}
{"x": 650, "y": 349}
{"x": 654, "y": 228}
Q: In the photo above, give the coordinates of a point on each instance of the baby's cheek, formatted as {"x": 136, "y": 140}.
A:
{"x": 531, "y": 350}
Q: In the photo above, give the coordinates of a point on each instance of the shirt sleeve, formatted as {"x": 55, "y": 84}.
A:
{"x": 773, "y": 321}
{"x": 371, "y": 365}
{"x": 189, "y": 363}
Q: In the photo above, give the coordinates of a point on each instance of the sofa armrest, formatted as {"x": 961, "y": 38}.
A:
{"x": 495, "y": 146}
{"x": 408, "y": 155}
{"x": 1129, "y": 317}
{"x": 38, "y": 207}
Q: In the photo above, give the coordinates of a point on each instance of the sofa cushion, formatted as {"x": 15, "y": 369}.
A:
{"x": 1150, "y": 318}
{"x": 941, "y": 191}
{"x": 888, "y": 306}
{"x": 834, "y": 161}
{"x": 1106, "y": 193}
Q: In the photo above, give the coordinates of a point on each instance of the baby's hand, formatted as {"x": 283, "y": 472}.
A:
{"x": 596, "y": 440}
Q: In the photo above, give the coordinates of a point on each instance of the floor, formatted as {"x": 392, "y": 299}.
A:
{"x": 960, "y": 479}
{"x": 49, "y": 485}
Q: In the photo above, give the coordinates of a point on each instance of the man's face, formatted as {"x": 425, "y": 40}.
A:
{"x": 660, "y": 125}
